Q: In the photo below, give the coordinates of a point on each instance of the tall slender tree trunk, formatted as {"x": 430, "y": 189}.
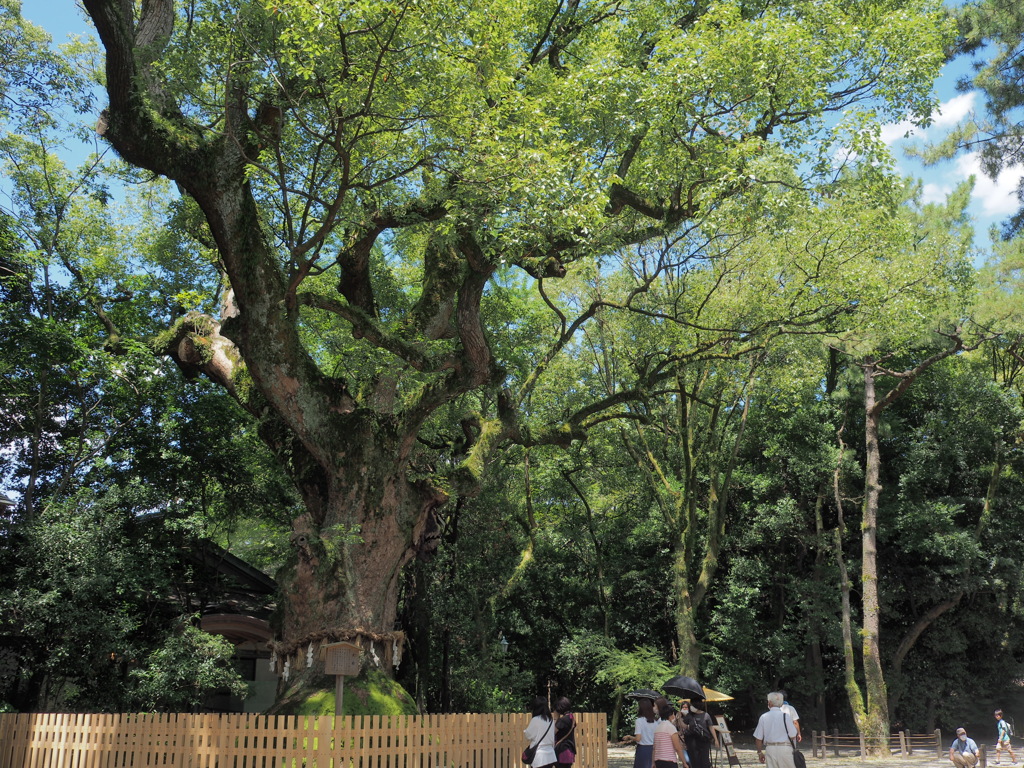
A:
{"x": 876, "y": 714}
{"x": 815, "y": 658}
{"x": 422, "y": 645}
{"x": 871, "y": 709}
{"x": 822, "y": 550}
{"x": 853, "y": 691}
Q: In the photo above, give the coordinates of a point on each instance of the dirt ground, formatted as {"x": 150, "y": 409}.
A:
{"x": 622, "y": 757}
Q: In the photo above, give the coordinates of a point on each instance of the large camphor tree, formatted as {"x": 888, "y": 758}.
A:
{"x": 370, "y": 179}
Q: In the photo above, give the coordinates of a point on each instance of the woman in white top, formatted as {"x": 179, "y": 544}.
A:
{"x": 644, "y": 736}
{"x": 541, "y": 733}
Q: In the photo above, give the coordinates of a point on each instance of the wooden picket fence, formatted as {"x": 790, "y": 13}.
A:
{"x": 901, "y": 743}
{"x": 52, "y": 740}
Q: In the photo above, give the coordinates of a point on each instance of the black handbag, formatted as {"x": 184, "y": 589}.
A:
{"x": 531, "y": 751}
{"x": 798, "y": 757}
{"x": 698, "y": 728}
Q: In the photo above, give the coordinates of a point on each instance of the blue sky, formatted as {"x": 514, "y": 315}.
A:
{"x": 993, "y": 202}
{"x": 994, "y": 199}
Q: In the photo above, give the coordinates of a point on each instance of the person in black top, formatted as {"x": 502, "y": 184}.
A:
{"x": 565, "y": 732}
{"x": 699, "y": 735}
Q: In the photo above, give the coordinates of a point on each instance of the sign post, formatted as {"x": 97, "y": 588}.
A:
{"x": 341, "y": 659}
{"x": 725, "y": 739}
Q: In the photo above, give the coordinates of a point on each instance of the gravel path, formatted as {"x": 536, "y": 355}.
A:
{"x": 622, "y": 757}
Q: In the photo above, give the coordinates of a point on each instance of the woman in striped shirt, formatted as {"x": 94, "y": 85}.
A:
{"x": 667, "y": 744}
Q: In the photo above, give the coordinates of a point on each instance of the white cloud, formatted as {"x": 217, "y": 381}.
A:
{"x": 948, "y": 114}
{"x": 953, "y": 111}
{"x": 893, "y": 132}
{"x": 997, "y": 197}
{"x": 935, "y": 193}
{"x": 992, "y": 201}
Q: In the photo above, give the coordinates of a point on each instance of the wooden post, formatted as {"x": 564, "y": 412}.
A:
{"x": 938, "y": 743}
{"x": 903, "y": 744}
{"x": 340, "y": 659}
{"x": 982, "y": 757}
{"x": 835, "y": 743}
{"x": 814, "y": 743}
{"x": 863, "y": 748}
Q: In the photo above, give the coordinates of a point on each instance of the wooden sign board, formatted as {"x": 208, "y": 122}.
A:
{"x": 342, "y": 659}
{"x": 725, "y": 739}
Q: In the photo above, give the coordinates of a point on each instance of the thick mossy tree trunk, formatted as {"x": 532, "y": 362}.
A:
{"x": 343, "y": 579}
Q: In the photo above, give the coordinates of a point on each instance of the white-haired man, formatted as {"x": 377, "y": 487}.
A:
{"x": 773, "y": 735}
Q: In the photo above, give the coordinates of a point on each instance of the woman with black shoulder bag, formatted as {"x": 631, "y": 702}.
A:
{"x": 541, "y": 735}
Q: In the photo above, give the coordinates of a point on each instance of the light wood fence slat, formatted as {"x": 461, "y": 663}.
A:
{"x": 362, "y": 736}
{"x": 86, "y": 738}
{"x": 37, "y": 725}
{"x": 37, "y": 728}
{"x": 148, "y": 740}
{"x": 41, "y": 746}
{"x": 369, "y": 729}
{"x": 105, "y": 731}
{"x": 88, "y": 750}
{"x": 460, "y": 744}
{"x": 43, "y": 756}
{"x": 426, "y": 726}
{"x": 6, "y": 740}
{"x": 378, "y": 739}
{"x": 472, "y": 744}
{"x": 268, "y": 741}
{"x": 16, "y": 747}
{"x": 26, "y": 753}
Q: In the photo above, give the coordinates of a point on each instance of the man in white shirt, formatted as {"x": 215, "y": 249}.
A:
{"x": 790, "y": 711}
{"x": 773, "y": 734}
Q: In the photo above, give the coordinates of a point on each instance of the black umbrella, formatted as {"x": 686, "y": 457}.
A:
{"x": 643, "y": 693}
{"x": 684, "y": 687}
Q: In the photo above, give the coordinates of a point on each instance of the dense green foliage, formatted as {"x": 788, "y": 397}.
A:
{"x": 118, "y": 466}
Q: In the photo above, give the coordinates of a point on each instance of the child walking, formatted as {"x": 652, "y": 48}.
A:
{"x": 1003, "y": 737}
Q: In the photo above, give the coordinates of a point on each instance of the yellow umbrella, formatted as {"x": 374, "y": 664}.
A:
{"x": 710, "y": 694}
{"x": 713, "y": 695}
